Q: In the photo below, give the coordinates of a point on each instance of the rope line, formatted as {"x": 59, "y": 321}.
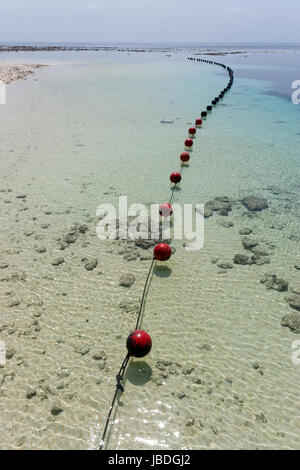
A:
{"x": 147, "y": 285}
{"x": 122, "y": 370}
{"x": 119, "y": 388}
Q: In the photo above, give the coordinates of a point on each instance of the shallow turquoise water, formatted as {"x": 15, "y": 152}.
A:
{"x": 89, "y": 130}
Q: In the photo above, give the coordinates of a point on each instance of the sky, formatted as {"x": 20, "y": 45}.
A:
{"x": 142, "y": 21}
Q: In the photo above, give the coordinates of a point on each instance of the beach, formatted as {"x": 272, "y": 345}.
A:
{"x": 12, "y": 72}
{"x": 98, "y": 124}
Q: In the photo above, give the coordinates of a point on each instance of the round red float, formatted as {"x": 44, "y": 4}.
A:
{"x": 165, "y": 210}
{"x": 185, "y": 156}
{"x": 162, "y": 252}
{"x": 192, "y": 130}
{"x": 189, "y": 143}
{"x": 198, "y": 122}
{"x": 139, "y": 343}
{"x": 175, "y": 177}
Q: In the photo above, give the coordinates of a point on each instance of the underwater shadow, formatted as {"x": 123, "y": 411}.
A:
{"x": 138, "y": 373}
{"x": 162, "y": 271}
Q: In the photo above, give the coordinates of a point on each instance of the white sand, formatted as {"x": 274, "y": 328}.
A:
{"x": 11, "y": 72}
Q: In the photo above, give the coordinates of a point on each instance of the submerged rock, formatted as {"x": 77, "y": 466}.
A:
{"x": 295, "y": 289}
{"x": 127, "y": 280}
{"x": 208, "y": 212}
{"x": 223, "y": 211}
{"x": 220, "y": 204}
{"x": 15, "y": 302}
{"x": 131, "y": 256}
{"x": 99, "y": 355}
{"x": 292, "y": 321}
{"x": 260, "y": 260}
{"x": 294, "y": 302}
{"x": 82, "y": 349}
{"x": 91, "y": 264}
{"x": 56, "y": 409}
{"x": 129, "y": 306}
{"x": 189, "y": 422}
{"x": 40, "y": 249}
{"x": 57, "y": 261}
{"x": 254, "y": 203}
{"x": 245, "y": 231}
{"x": 145, "y": 244}
{"x": 249, "y": 243}
{"x": 258, "y": 252}
{"x": 225, "y": 265}
{"x": 271, "y": 281}
{"x": 226, "y": 223}
{"x": 10, "y": 353}
{"x": 83, "y": 228}
{"x": 241, "y": 259}
{"x": 71, "y": 237}
{"x": 261, "y": 418}
{"x": 3, "y": 264}
{"x": 30, "y": 392}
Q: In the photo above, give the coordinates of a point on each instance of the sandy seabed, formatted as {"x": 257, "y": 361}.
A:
{"x": 220, "y": 373}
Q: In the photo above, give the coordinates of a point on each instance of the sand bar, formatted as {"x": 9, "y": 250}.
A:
{"x": 11, "y": 72}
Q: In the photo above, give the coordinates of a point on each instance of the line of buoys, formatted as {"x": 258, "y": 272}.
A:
{"x": 139, "y": 342}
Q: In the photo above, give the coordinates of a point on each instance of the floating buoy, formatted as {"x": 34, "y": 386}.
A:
{"x": 175, "y": 177}
{"x": 204, "y": 114}
{"x": 162, "y": 252}
{"x": 209, "y": 107}
{"x": 198, "y": 122}
{"x": 139, "y": 343}
{"x": 192, "y": 130}
{"x": 165, "y": 210}
{"x": 185, "y": 156}
{"x": 189, "y": 143}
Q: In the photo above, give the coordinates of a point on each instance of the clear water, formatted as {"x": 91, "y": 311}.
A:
{"x": 84, "y": 131}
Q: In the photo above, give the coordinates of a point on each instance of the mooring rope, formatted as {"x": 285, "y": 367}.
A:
{"x": 176, "y": 179}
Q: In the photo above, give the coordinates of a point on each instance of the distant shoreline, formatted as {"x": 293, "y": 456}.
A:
{"x": 28, "y": 48}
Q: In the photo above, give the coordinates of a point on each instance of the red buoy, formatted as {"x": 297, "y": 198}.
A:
{"x": 162, "y": 252}
{"x": 189, "y": 143}
{"x": 175, "y": 177}
{"x": 139, "y": 343}
{"x": 198, "y": 122}
{"x": 185, "y": 156}
{"x": 165, "y": 210}
{"x": 192, "y": 130}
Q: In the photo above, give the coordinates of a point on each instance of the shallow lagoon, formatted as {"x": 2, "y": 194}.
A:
{"x": 84, "y": 131}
